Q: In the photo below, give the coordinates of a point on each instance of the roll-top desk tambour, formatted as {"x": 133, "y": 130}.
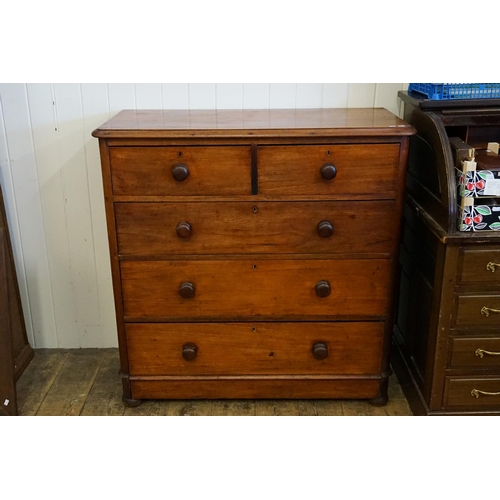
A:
{"x": 447, "y": 352}
{"x": 254, "y": 252}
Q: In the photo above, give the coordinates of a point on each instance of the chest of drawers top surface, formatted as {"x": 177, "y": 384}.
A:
{"x": 250, "y": 123}
{"x": 253, "y": 251}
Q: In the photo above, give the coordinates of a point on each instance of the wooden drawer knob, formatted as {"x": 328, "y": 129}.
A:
{"x": 325, "y": 228}
{"x": 320, "y": 350}
{"x": 180, "y": 172}
{"x": 189, "y": 351}
{"x": 183, "y": 229}
{"x": 323, "y": 289}
{"x": 328, "y": 171}
{"x": 187, "y": 290}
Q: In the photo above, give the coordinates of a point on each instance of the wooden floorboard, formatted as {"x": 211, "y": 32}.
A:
{"x": 86, "y": 382}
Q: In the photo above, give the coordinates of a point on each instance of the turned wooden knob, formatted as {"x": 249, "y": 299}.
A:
{"x": 323, "y": 289}
{"x": 320, "y": 350}
{"x": 328, "y": 171}
{"x": 187, "y": 290}
{"x": 189, "y": 351}
{"x": 325, "y": 228}
{"x": 180, "y": 172}
{"x": 183, "y": 229}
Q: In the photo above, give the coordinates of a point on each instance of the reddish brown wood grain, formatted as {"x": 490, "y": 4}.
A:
{"x": 253, "y": 287}
{"x": 265, "y": 348}
{"x": 213, "y": 171}
{"x": 148, "y": 229}
{"x": 360, "y": 169}
{"x": 353, "y": 122}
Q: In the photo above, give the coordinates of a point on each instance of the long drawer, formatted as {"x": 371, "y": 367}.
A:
{"x": 480, "y": 266}
{"x": 475, "y": 352}
{"x": 262, "y": 349}
{"x": 329, "y": 170}
{"x": 296, "y": 289}
{"x": 477, "y": 309}
{"x": 472, "y": 391}
{"x": 147, "y": 229}
{"x": 181, "y": 171}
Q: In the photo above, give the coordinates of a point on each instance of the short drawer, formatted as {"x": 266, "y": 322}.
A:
{"x": 307, "y": 170}
{"x": 259, "y": 349}
{"x": 248, "y": 289}
{"x": 480, "y": 266}
{"x": 181, "y": 171}
{"x": 479, "y": 310}
{"x": 477, "y": 352}
{"x": 146, "y": 229}
{"x": 473, "y": 391}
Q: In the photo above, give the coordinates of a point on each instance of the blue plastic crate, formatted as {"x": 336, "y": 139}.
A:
{"x": 448, "y": 91}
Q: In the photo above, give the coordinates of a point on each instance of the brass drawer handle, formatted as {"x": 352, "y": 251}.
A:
{"x": 491, "y": 266}
{"x": 476, "y": 392}
{"x": 486, "y": 311}
{"x": 481, "y": 352}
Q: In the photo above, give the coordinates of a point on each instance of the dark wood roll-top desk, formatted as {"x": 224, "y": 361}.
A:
{"x": 446, "y": 337}
{"x": 254, "y": 253}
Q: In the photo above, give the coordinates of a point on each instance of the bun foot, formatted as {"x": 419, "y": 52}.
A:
{"x": 380, "y": 401}
{"x": 132, "y": 403}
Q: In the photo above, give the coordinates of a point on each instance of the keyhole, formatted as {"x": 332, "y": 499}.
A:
{"x": 254, "y": 329}
{"x": 179, "y": 154}
{"x": 328, "y": 153}
{"x": 254, "y": 266}
{"x": 255, "y": 210}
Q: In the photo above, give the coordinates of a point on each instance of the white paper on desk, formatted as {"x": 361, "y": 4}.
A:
{"x": 492, "y": 187}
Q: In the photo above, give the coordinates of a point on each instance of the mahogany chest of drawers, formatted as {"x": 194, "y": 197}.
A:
{"x": 253, "y": 252}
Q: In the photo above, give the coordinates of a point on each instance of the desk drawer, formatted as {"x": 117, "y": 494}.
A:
{"x": 359, "y": 169}
{"x": 147, "y": 229}
{"x": 480, "y": 266}
{"x": 211, "y": 171}
{"x": 249, "y": 289}
{"x": 480, "y": 310}
{"x": 473, "y": 391}
{"x": 259, "y": 349}
{"x": 477, "y": 352}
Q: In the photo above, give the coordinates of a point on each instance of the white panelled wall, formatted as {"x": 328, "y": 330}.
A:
{"x": 51, "y": 180}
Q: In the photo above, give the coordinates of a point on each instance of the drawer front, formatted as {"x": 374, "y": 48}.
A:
{"x": 212, "y": 171}
{"x": 480, "y": 266}
{"x": 163, "y": 290}
{"x": 260, "y": 349}
{"x": 265, "y": 227}
{"x": 477, "y": 391}
{"x": 359, "y": 169}
{"x": 477, "y": 352}
{"x": 480, "y": 310}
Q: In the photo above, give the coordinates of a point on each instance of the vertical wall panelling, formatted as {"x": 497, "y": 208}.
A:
{"x": 229, "y": 96}
{"x": 361, "y": 95}
{"x": 29, "y": 211}
{"x": 309, "y": 95}
{"x": 335, "y": 95}
{"x": 13, "y": 222}
{"x": 282, "y": 95}
{"x": 202, "y": 96}
{"x": 121, "y": 96}
{"x": 48, "y": 161}
{"x": 256, "y": 95}
{"x": 386, "y": 96}
{"x": 95, "y": 112}
{"x": 69, "y": 114}
{"x": 175, "y": 95}
{"x": 148, "y": 96}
